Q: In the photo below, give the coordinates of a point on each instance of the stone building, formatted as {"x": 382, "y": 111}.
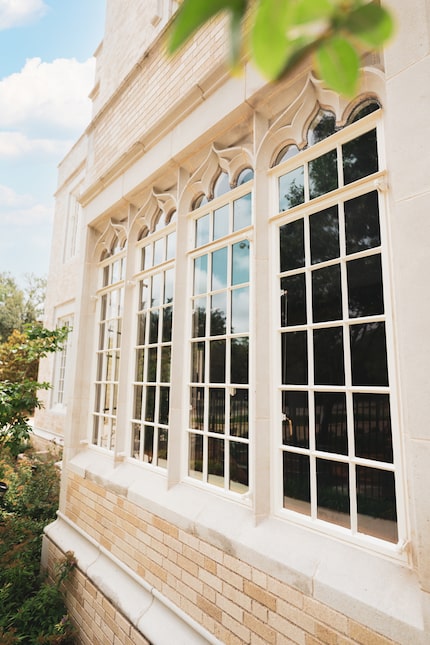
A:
{"x": 247, "y": 382}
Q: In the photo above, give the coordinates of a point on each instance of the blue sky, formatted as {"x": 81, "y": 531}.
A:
{"x": 46, "y": 74}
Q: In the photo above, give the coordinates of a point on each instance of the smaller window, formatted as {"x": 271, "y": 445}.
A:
{"x": 287, "y": 152}
{"x": 363, "y": 109}
{"x": 323, "y": 126}
{"x": 244, "y": 176}
{"x": 222, "y": 185}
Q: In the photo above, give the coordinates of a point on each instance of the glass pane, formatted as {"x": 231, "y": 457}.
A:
{"x": 360, "y": 157}
{"x": 323, "y": 174}
{"x": 239, "y": 413}
{"x": 221, "y": 221}
{"x": 156, "y": 290}
{"x": 294, "y": 358}
{"x": 148, "y": 445}
{"x": 323, "y": 125}
{"x": 198, "y": 363}
{"x": 159, "y": 251}
{"x": 376, "y": 503}
{"x": 292, "y": 246}
{"x": 328, "y": 356}
{"x": 216, "y": 410}
{"x": 137, "y": 406}
{"x": 197, "y": 408}
{"x": 202, "y": 230}
{"x": 143, "y": 294}
{"x": 163, "y": 412}
{"x": 171, "y": 246}
{"x": 136, "y": 439}
{"x": 362, "y": 223}
{"x": 333, "y": 492}
{"x": 219, "y": 269}
{"x": 218, "y": 314}
{"x": 162, "y": 447}
{"x": 167, "y": 324}
{"x": 242, "y": 212}
{"x": 150, "y": 403}
{"x": 330, "y": 422}
{"x": 195, "y": 459}
{"x": 239, "y": 360}
{"x": 293, "y": 300}
{"x": 297, "y": 494}
{"x": 153, "y": 326}
{"x": 240, "y": 310}
{"x": 199, "y": 317}
{"x": 245, "y": 175}
{"x": 326, "y": 294}
{"x": 165, "y": 364}
{"x": 216, "y": 461}
{"x": 363, "y": 110}
{"x": 240, "y": 262}
{"x": 238, "y": 467}
{"x": 372, "y": 427}
{"x": 291, "y": 189}
{"x": 103, "y": 307}
{"x": 286, "y": 153}
{"x": 368, "y": 354}
{"x": 141, "y": 324}
{"x": 217, "y": 361}
{"x": 365, "y": 293}
{"x": 140, "y": 356}
{"x": 295, "y": 421}
{"x": 152, "y": 364}
{"x": 222, "y": 185}
{"x": 200, "y": 274}
{"x": 147, "y": 257}
{"x": 168, "y": 286}
{"x": 324, "y": 230}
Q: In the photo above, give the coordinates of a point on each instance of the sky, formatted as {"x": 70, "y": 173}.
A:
{"x": 46, "y": 73}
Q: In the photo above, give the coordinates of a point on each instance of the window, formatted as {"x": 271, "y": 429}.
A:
{"x": 337, "y": 449}
{"x": 73, "y": 211}
{"x": 219, "y": 387}
{"x": 151, "y": 386}
{"x": 111, "y": 296}
{"x": 59, "y": 385}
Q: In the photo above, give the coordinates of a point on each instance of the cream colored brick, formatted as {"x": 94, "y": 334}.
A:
{"x": 238, "y": 566}
{"x": 212, "y": 552}
{"x": 229, "y": 576}
{"x": 209, "y": 608}
{"x": 260, "y": 628}
{"x": 237, "y": 596}
{"x": 229, "y": 607}
{"x": 324, "y": 614}
{"x": 211, "y": 580}
{"x": 259, "y": 594}
{"x": 192, "y": 582}
{"x": 259, "y": 578}
{"x": 365, "y": 636}
{"x": 296, "y": 616}
{"x": 260, "y": 611}
{"x": 239, "y": 629}
{"x": 286, "y": 628}
{"x": 188, "y": 565}
{"x": 325, "y": 635}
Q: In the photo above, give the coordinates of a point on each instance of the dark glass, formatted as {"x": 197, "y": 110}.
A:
{"x": 136, "y": 439}
{"x": 323, "y": 126}
{"x": 218, "y": 314}
{"x": 323, "y": 174}
{"x": 106, "y": 275}
{"x": 141, "y": 324}
{"x": 368, "y": 354}
{"x": 372, "y": 427}
{"x": 292, "y": 246}
{"x": 330, "y": 422}
{"x": 362, "y": 223}
{"x": 240, "y": 262}
{"x": 108, "y": 367}
{"x": 137, "y": 405}
{"x": 216, "y": 410}
{"x": 167, "y": 324}
{"x": 202, "y": 230}
{"x": 165, "y": 364}
{"x": 239, "y": 413}
{"x": 217, "y": 361}
{"x": 102, "y": 335}
{"x": 295, "y": 423}
{"x": 222, "y": 185}
{"x": 242, "y": 212}
{"x": 219, "y": 269}
{"x": 200, "y": 274}
{"x": 153, "y": 325}
{"x": 152, "y": 364}
{"x": 297, "y": 492}
{"x": 239, "y": 360}
{"x": 326, "y": 294}
{"x": 150, "y": 403}
{"x": 216, "y": 461}
{"x": 163, "y": 412}
{"x": 240, "y": 310}
{"x": 100, "y": 358}
{"x": 328, "y": 356}
{"x": 365, "y": 293}
{"x": 376, "y": 498}
{"x": 195, "y": 458}
{"x": 198, "y": 363}
{"x": 221, "y": 222}
{"x": 293, "y": 300}
{"x": 197, "y": 408}
{"x": 162, "y": 447}
{"x": 239, "y": 478}
{"x": 360, "y": 157}
{"x": 333, "y": 492}
{"x": 363, "y": 110}
{"x": 324, "y": 233}
{"x": 291, "y": 189}
{"x": 140, "y": 357}
{"x": 148, "y": 444}
{"x": 199, "y": 318}
{"x": 294, "y": 358}
{"x": 103, "y": 308}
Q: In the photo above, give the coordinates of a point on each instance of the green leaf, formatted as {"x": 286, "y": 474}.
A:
{"x": 269, "y": 42}
{"x": 310, "y": 10}
{"x": 193, "y": 14}
{"x": 372, "y": 24}
{"x": 338, "y": 64}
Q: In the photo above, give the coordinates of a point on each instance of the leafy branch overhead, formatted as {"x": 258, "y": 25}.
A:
{"x": 282, "y": 33}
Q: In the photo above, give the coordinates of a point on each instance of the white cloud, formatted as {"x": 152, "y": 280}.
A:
{"x": 21, "y": 210}
{"x": 14, "y": 13}
{"x": 16, "y": 144}
{"x": 48, "y": 96}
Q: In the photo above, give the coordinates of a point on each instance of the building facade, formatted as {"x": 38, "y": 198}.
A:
{"x": 244, "y": 398}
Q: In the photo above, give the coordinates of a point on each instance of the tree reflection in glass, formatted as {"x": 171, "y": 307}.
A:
{"x": 239, "y": 413}
{"x": 362, "y": 223}
{"x": 330, "y": 422}
{"x": 324, "y": 233}
{"x": 291, "y": 189}
{"x": 292, "y": 245}
{"x": 295, "y": 423}
{"x": 360, "y": 157}
{"x": 216, "y": 410}
{"x": 365, "y": 295}
{"x": 239, "y": 479}
{"x": 293, "y": 300}
{"x": 297, "y": 493}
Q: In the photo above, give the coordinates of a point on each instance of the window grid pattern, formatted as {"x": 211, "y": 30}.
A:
{"x": 219, "y": 388}
{"x": 151, "y": 387}
{"x": 61, "y": 364}
{"x": 337, "y": 453}
{"x": 109, "y": 351}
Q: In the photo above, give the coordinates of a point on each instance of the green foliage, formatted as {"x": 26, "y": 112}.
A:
{"x": 20, "y": 305}
{"x": 282, "y": 33}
